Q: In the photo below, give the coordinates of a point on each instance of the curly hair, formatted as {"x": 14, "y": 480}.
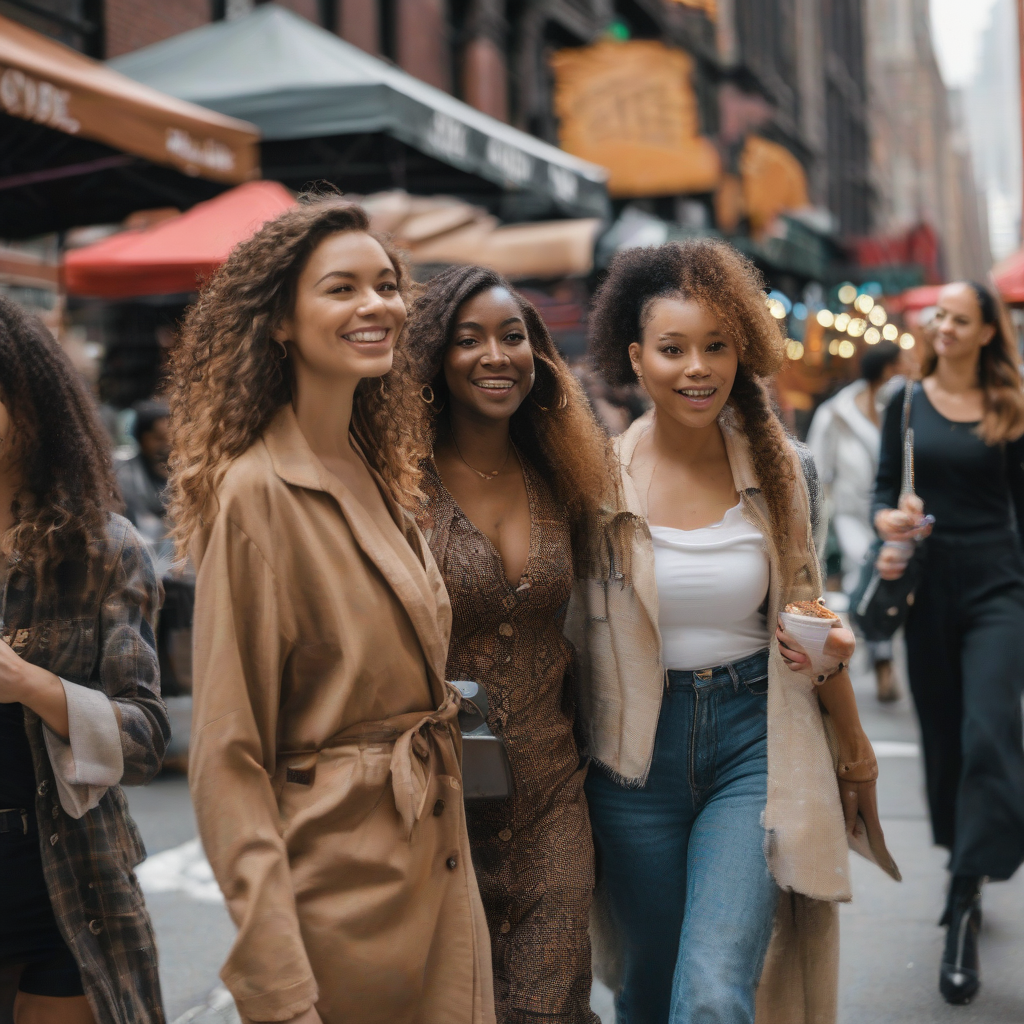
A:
{"x": 726, "y": 284}
{"x": 998, "y": 370}
{"x": 229, "y": 377}
{"x": 554, "y": 428}
{"x": 68, "y": 488}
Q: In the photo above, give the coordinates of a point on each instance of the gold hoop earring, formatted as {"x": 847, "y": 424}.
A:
{"x": 423, "y": 394}
{"x": 563, "y": 400}
{"x": 281, "y": 346}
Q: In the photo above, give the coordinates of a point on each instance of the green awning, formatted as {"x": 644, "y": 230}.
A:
{"x": 297, "y": 82}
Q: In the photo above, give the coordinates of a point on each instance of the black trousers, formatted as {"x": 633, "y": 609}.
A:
{"x": 965, "y": 649}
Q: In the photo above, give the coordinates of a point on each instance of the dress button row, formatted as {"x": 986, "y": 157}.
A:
{"x": 505, "y": 629}
{"x": 505, "y": 835}
{"x": 505, "y": 928}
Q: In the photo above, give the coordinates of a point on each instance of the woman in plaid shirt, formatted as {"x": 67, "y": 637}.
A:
{"x": 80, "y": 707}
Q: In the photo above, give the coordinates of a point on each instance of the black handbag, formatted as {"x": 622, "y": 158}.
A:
{"x": 486, "y": 772}
{"x": 879, "y": 607}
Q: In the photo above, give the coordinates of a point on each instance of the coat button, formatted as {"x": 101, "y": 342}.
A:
{"x": 505, "y": 928}
{"x": 438, "y": 808}
{"x": 53, "y": 839}
{"x": 451, "y": 863}
{"x": 43, "y": 787}
{"x": 55, "y": 812}
{"x": 95, "y": 926}
{"x": 505, "y": 835}
{"x": 505, "y": 629}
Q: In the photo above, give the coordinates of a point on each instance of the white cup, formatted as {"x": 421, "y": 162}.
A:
{"x": 811, "y": 632}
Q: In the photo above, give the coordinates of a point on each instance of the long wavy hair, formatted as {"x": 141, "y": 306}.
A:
{"x": 998, "y": 370}
{"x": 68, "y": 488}
{"x": 554, "y": 428}
{"x": 725, "y": 283}
{"x": 229, "y": 377}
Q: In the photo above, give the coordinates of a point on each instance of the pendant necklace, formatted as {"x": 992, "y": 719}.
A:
{"x": 483, "y": 476}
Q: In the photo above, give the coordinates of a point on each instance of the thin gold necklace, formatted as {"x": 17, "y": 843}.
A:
{"x": 483, "y": 476}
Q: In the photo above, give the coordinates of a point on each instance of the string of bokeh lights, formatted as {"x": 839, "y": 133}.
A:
{"x": 864, "y": 318}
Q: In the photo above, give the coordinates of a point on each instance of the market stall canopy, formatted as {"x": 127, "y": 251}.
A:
{"x": 82, "y": 144}
{"x": 175, "y": 255}
{"x": 1009, "y": 278}
{"x": 441, "y": 230}
{"x": 328, "y": 110}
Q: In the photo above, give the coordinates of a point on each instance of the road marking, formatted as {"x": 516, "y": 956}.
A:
{"x": 893, "y": 748}
{"x": 181, "y": 869}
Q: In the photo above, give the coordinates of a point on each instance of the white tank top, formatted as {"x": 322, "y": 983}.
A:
{"x": 712, "y": 583}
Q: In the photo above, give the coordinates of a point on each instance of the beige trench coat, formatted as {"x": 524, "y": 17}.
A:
{"x": 325, "y": 754}
{"x": 615, "y": 627}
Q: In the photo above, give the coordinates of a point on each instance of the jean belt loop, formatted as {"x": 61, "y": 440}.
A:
{"x": 735, "y": 676}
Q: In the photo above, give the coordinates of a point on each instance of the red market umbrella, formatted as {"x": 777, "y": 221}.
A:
{"x": 175, "y": 255}
{"x": 915, "y": 299}
{"x": 1009, "y": 278}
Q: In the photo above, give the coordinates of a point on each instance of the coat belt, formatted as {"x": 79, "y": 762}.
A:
{"x": 413, "y": 768}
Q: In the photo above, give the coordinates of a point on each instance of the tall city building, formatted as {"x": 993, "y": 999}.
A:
{"x": 920, "y": 159}
{"x": 992, "y": 115}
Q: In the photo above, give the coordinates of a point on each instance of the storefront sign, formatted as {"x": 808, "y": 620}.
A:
{"x": 630, "y": 106}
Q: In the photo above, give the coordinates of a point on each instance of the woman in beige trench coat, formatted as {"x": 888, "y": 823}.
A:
{"x": 325, "y": 752}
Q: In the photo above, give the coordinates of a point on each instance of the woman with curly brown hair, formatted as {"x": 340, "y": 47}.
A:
{"x": 325, "y": 748}
{"x": 717, "y": 811}
{"x": 965, "y": 631}
{"x": 516, "y": 470}
{"x": 80, "y": 707}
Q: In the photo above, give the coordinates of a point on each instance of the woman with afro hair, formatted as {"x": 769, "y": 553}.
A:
{"x": 515, "y": 472}
{"x": 717, "y": 797}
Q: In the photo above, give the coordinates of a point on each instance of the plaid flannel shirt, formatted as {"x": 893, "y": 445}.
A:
{"x": 96, "y": 628}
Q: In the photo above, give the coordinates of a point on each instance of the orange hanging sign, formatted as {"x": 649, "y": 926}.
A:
{"x": 631, "y": 108}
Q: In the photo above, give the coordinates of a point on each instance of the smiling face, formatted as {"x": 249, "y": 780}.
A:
{"x": 348, "y": 310}
{"x": 687, "y": 363}
{"x": 958, "y": 330}
{"x": 488, "y": 365}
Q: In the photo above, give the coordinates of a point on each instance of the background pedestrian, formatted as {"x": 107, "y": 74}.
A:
{"x": 965, "y": 631}
{"x": 844, "y": 438}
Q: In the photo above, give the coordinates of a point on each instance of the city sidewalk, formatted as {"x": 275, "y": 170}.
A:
{"x": 890, "y": 940}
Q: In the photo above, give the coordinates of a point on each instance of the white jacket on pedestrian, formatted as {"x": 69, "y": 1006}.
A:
{"x": 845, "y": 445}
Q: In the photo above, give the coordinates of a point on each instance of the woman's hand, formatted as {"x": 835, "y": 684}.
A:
{"x": 860, "y": 810}
{"x": 893, "y": 559}
{"x": 905, "y": 523}
{"x": 839, "y": 648}
{"x": 35, "y": 687}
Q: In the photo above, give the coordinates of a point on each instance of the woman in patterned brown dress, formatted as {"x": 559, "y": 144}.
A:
{"x": 516, "y": 466}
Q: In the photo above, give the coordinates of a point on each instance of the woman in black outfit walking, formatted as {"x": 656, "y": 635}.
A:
{"x": 965, "y": 632}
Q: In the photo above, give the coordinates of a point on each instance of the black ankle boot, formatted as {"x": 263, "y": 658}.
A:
{"x": 960, "y": 973}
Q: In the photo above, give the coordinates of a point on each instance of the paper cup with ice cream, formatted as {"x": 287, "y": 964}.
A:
{"x": 809, "y": 622}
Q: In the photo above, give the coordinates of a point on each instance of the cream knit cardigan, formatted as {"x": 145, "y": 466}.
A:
{"x": 614, "y": 625}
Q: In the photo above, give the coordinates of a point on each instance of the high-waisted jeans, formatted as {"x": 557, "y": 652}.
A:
{"x": 683, "y": 856}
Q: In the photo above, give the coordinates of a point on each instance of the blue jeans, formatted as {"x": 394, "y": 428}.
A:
{"x": 683, "y": 856}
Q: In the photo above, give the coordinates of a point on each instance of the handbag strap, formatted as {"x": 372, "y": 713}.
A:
{"x": 907, "y": 442}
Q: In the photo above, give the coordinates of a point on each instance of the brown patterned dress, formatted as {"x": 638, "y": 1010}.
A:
{"x": 533, "y": 853}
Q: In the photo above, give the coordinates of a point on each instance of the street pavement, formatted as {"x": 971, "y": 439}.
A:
{"x": 891, "y": 943}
